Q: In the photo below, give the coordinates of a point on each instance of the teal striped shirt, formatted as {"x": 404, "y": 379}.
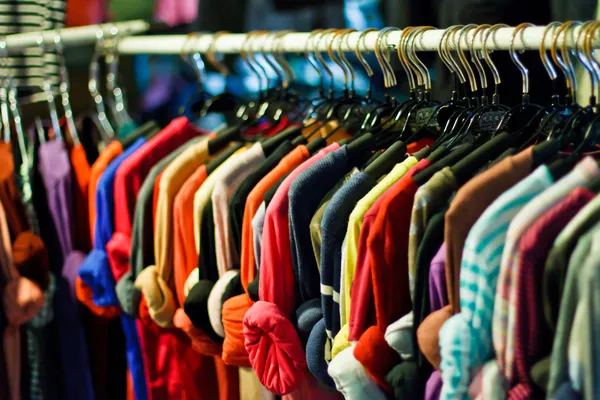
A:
{"x": 466, "y": 338}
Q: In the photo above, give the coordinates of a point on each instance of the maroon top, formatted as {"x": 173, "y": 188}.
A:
{"x": 530, "y": 342}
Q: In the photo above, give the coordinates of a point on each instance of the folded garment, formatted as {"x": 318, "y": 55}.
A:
{"x": 158, "y": 295}
{"x": 274, "y": 348}
{"x": 31, "y": 258}
{"x": 351, "y": 379}
{"x": 428, "y": 334}
{"x": 215, "y": 299}
{"x": 86, "y": 297}
{"x": 406, "y": 381}
{"x": 399, "y": 335}
{"x": 196, "y": 308}
{"x": 234, "y": 348}
{"x": 22, "y": 300}
{"x": 307, "y": 316}
{"x": 315, "y": 354}
{"x": 201, "y": 342}
{"x": 378, "y": 358}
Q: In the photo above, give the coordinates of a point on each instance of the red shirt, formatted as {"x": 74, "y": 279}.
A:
{"x": 361, "y": 315}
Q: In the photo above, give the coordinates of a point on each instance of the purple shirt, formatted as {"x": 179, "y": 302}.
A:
{"x": 433, "y": 388}
{"x": 55, "y": 169}
{"x": 438, "y": 292}
{"x": 438, "y": 298}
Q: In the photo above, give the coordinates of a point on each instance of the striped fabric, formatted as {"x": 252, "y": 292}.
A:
{"x": 505, "y": 313}
{"x": 465, "y": 339}
{"x": 20, "y": 16}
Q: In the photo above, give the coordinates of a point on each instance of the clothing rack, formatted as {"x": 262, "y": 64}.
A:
{"x": 528, "y": 38}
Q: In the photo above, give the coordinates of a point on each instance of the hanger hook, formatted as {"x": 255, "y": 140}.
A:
{"x": 363, "y": 61}
{"x": 244, "y": 55}
{"x": 400, "y": 52}
{"x": 269, "y": 39}
{"x": 475, "y": 58}
{"x": 462, "y": 33}
{"x": 515, "y": 58}
{"x": 588, "y": 50}
{"x": 566, "y": 53}
{"x": 388, "y": 80}
{"x": 337, "y": 61}
{"x": 311, "y": 59}
{"x": 449, "y": 34}
{"x": 491, "y": 33}
{"x": 322, "y": 62}
{"x": 544, "y": 52}
{"x": 47, "y": 87}
{"x": 442, "y": 53}
{"x": 342, "y": 55}
{"x": 275, "y": 53}
{"x": 582, "y": 56}
{"x": 252, "y": 56}
{"x": 405, "y": 44}
{"x": 418, "y": 34}
{"x": 282, "y": 58}
{"x": 563, "y": 62}
{"x": 64, "y": 88}
{"x": 3, "y": 91}
{"x": 106, "y": 129}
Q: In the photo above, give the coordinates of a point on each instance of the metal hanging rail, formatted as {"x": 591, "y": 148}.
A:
{"x": 527, "y": 39}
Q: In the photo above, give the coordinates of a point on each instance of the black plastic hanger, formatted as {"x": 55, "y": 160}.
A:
{"x": 383, "y": 164}
{"x": 213, "y": 164}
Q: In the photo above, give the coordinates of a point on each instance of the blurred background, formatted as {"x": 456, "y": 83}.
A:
{"x": 157, "y": 86}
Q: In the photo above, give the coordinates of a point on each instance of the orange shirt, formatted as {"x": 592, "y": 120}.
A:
{"x": 253, "y": 202}
{"x": 185, "y": 255}
{"x": 109, "y": 153}
{"x": 82, "y": 171}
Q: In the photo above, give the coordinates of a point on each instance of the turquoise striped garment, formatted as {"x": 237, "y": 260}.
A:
{"x": 466, "y": 338}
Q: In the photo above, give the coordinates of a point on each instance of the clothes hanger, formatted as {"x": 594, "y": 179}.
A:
{"x": 197, "y": 65}
{"x": 374, "y": 119}
{"x": 464, "y": 169}
{"x": 47, "y": 88}
{"x": 105, "y": 129}
{"x": 366, "y": 139}
{"x": 4, "y": 77}
{"x": 116, "y": 100}
{"x": 396, "y": 152}
{"x": 591, "y": 137}
{"x": 64, "y": 90}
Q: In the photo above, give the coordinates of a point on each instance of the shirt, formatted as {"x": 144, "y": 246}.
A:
{"x": 257, "y": 230}
{"x": 161, "y": 277}
{"x": 333, "y": 228}
{"x": 277, "y": 272}
{"x": 504, "y": 307}
{"x": 251, "y": 236}
{"x": 95, "y": 270}
{"x": 305, "y": 194}
{"x": 580, "y": 274}
{"x": 237, "y": 203}
{"x": 110, "y": 152}
{"x": 428, "y": 200}
{"x": 531, "y": 343}
{"x": 555, "y": 269}
{"x": 468, "y": 205}
{"x": 9, "y": 195}
{"x": 355, "y": 224}
{"x": 227, "y": 181}
{"x": 361, "y": 316}
{"x": 184, "y": 253}
{"x": 465, "y": 337}
{"x": 81, "y": 174}
{"x": 129, "y": 179}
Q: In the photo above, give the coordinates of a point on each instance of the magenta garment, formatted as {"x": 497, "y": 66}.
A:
{"x": 176, "y": 12}
{"x": 438, "y": 291}
{"x": 433, "y": 388}
{"x": 531, "y": 343}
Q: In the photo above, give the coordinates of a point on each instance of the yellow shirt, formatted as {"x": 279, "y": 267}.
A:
{"x": 352, "y": 237}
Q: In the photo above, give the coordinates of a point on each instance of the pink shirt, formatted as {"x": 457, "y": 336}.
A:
{"x": 276, "y": 284}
